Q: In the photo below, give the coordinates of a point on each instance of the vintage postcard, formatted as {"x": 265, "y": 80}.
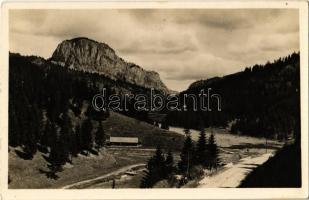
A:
{"x": 154, "y": 100}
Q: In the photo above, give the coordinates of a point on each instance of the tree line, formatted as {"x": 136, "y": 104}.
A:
{"x": 50, "y": 109}
{"x": 193, "y": 159}
{"x": 262, "y": 101}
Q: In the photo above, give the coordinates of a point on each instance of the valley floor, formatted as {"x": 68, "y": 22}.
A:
{"x": 125, "y": 165}
{"x": 33, "y": 173}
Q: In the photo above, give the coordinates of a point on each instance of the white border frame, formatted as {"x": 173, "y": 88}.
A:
{"x": 200, "y": 193}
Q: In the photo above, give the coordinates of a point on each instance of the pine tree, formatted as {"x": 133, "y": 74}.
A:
{"x": 165, "y": 125}
{"x": 169, "y": 163}
{"x": 53, "y": 108}
{"x": 55, "y": 163}
{"x": 186, "y": 156}
{"x": 156, "y": 170}
{"x": 86, "y": 134}
{"x": 14, "y": 127}
{"x": 48, "y": 137}
{"x": 149, "y": 179}
{"x": 29, "y": 131}
{"x": 38, "y": 122}
{"x": 213, "y": 150}
{"x": 201, "y": 149}
{"x": 159, "y": 162}
{"x": 56, "y": 153}
{"x": 63, "y": 150}
{"x": 100, "y": 136}
{"x": 78, "y": 138}
{"x": 30, "y": 146}
{"x": 66, "y": 137}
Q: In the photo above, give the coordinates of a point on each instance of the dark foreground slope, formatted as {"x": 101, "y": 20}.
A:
{"x": 282, "y": 170}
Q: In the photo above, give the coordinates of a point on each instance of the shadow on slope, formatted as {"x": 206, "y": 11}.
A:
{"x": 282, "y": 170}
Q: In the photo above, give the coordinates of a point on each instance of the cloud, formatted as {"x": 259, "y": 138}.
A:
{"x": 182, "y": 45}
{"x": 167, "y": 43}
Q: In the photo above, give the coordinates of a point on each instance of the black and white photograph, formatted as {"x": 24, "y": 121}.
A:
{"x": 156, "y": 98}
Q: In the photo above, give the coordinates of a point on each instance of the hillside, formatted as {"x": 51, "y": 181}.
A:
{"x": 282, "y": 171}
{"x": 35, "y": 94}
{"x": 52, "y": 121}
{"x": 34, "y": 172}
{"x": 262, "y": 100}
{"x": 150, "y": 136}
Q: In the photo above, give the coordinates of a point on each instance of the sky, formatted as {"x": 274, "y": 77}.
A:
{"x": 182, "y": 45}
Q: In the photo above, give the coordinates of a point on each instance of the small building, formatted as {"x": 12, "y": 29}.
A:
{"x": 124, "y": 141}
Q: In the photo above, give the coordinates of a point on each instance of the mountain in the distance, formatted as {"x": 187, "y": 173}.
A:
{"x": 84, "y": 54}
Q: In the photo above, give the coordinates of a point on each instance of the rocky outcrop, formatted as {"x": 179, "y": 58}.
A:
{"x": 88, "y": 55}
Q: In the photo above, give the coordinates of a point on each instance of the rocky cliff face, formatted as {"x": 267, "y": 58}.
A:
{"x": 88, "y": 55}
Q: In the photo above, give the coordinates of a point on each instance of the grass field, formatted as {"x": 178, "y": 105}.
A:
{"x": 32, "y": 173}
{"x": 149, "y": 135}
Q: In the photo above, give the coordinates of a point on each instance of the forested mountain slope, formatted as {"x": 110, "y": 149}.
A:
{"x": 50, "y": 104}
{"x": 263, "y": 100}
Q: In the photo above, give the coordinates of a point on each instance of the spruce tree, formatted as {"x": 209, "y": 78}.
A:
{"x": 14, "y": 133}
{"x": 29, "y": 131}
{"x": 149, "y": 179}
{"x": 66, "y": 137}
{"x": 38, "y": 122}
{"x": 186, "y": 156}
{"x": 56, "y": 153}
{"x": 213, "y": 151}
{"x": 169, "y": 163}
{"x": 165, "y": 125}
{"x": 159, "y": 162}
{"x": 63, "y": 150}
{"x": 156, "y": 170}
{"x": 86, "y": 136}
{"x": 30, "y": 146}
{"x": 44, "y": 140}
{"x": 59, "y": 154}
{"x": 201, "y": 149}
{"x": 100, "y": 136}
{"x": 78, "y": 139}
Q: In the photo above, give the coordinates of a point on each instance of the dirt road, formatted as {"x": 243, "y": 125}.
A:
{"x": 88, "y": 182}
{"x": 232, "y": 175}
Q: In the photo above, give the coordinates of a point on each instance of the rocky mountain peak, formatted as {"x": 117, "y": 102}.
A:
{"x": 82, "y": 52}
{"x": 88, "y": 55}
